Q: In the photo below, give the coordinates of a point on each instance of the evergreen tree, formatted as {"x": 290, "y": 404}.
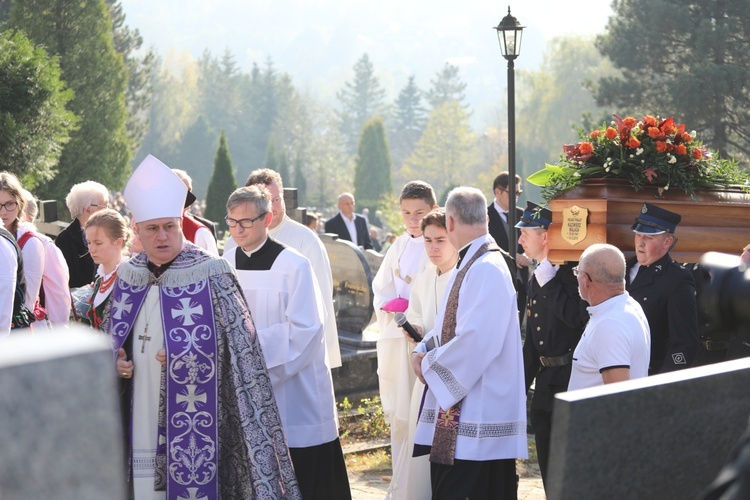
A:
{"x": 283, "y": 169}
{"x": 409, "y": 119}
{"x": 222, "y": 184}
{"x": 372, "y": 170}
{"x": 447, "y": 86}
{"x": 5, "y": 6}
{"x": 300, "y": 181}
{"x": 360, "y": 100}
{"x": 272, "y": 158}
{"x": 687, "y": 60}
{"x": 128, "y": 43}
{"x": 34, "y": 124}
{"x": 445, "y": 154}
{"x": 79, "y": 32}
{"x": 195, "y": 155}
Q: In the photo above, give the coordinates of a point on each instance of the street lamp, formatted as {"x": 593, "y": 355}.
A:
{"x": 509, "y": 35}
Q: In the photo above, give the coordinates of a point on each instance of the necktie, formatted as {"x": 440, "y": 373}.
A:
{"x": 446, "y": 427}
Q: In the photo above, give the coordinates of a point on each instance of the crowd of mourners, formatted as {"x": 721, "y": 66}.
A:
{"x": 224, "y": 362}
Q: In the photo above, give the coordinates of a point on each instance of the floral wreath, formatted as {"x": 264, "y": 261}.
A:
{"x": 650, "y": 151}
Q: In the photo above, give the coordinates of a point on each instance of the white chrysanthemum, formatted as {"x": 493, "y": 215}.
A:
{"x": 672, "y": 159}
{"x": 639, "y": 151}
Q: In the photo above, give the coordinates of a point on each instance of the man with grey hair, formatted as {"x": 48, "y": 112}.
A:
{"x": 284, "y": 298}
{"x": 616, "y": 344}
{"x": 473, "y": 420}
{"x": 294, "y": 235}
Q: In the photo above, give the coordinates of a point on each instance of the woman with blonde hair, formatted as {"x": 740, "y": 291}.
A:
{"x": 107, "y": 235}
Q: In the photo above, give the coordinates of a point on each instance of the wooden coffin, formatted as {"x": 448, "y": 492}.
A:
{"x": 718, "y": 220}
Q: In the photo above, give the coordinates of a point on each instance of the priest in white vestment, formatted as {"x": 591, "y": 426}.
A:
{"x": 301, "y": 238}
{"x": 284, "y": 300}
{"x": 473, "y": 421}
{"x": 199, "y": 415}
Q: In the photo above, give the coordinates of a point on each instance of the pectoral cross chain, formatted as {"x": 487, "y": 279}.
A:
{"x": 145, "y": 338}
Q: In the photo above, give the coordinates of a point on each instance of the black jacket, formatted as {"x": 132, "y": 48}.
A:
{"x": 666, "y": 292}
{"x": 80, "y": 264}
{"x": 500, "y": 235}
{"x": 336, "y": 225}
{"x": 555, "y": 318}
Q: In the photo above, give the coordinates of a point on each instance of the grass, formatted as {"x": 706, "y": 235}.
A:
{"x": 377, "y": 461}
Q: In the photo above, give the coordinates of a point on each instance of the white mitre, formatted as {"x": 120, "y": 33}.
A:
{"x": 154, "y": 191}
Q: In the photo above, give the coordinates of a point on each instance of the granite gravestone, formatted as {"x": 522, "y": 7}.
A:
{"x": 352, "y": 284}
{"x": 60, "y": 430}
{"x": 659, "y": 437}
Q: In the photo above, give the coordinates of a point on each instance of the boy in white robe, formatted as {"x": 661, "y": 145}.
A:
{"x": 426, "y": 295}
{"x": 284, "y": 299}
{"x": 391, "y": 288}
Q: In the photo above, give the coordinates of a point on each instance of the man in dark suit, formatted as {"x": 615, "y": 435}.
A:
{"x": 664, "y": 289}
{"x": 348, "y": 225}
{"x": 555, "y": 319}
{"x": 498, "y": 228}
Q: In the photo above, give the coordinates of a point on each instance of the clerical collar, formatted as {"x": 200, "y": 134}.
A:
{"x": 256, "y": 249}
{"x": 261, "y": 259}
{"x": 462, "y": 254}
{"x": 156, "y": 270}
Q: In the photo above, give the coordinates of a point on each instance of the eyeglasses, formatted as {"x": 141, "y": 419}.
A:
{"x": 518, "y": 192}
{"x": 244, "y": 223}
{"x": 575, "y": 273}
{"x": 9, "y": 206}
{"x": 106, "y": 205}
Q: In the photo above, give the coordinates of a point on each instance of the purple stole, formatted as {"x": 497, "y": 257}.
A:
{"x": 189, "y": 435}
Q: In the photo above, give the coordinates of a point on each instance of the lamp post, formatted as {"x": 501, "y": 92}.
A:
{"x": 509, "y": 33}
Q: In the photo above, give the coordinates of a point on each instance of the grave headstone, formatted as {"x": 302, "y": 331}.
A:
{"x": 664, "y": 436}
{"x": 59, "y": 417}
{"x": 352, "y": 284}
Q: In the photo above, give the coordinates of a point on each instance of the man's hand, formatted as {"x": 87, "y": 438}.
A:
{"x": 124, "y": 367}
{"x": 408, "y": 337}
{"x": 522, "y": 260}
{"x": 161, "y": 357}
{"x": 416, "y": 364}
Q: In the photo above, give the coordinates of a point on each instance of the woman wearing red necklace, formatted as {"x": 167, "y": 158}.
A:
{"x": 108, "y": 235}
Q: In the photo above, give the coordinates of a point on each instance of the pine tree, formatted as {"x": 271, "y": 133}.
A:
{"x": 128, "y": 43}
{"x": 222, "y": 184}
{"x": 283, "y": 169}
{"x": 360, "y": 100}
{"x": 300, "y": 181}
{"x": 34, "y": 124}
{"x": 687, "y": 60}
{"x": 446, "y": 86}
{"x": 372, "y": 171}
{"x": 408, "y": 122}
{"x": 79, "y": 32}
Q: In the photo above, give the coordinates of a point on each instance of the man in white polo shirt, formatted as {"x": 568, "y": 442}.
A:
{"x": 616, "y": 344}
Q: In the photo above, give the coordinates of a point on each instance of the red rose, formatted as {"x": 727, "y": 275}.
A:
{"x": 633, "y": 143}
{"x": 697, "y": 154}
{"x": 680, "y": 149}
{"x": 630, "y": 122}
{"x": 649, "y": 121}
{"x": 586, "y": 148}
{"x": 654, "y": 132}
{"x": 610, "y": 133}
{"x": 661, "y": 146}
{"x": 686, "y": 138}
{"x": 595, "y": 134}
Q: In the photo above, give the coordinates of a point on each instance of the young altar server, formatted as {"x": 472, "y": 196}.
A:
{"x": 391, "y": 288}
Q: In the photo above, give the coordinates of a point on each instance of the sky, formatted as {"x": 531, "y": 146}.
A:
{"x": 318, "y": 41}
